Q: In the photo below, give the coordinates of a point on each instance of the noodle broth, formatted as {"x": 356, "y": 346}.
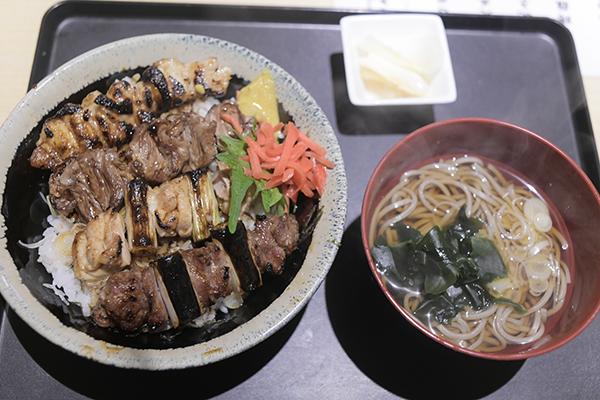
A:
{"x": 529, "y": 234}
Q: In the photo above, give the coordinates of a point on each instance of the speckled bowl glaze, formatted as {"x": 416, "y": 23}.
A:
{"x": 140, "y": 52}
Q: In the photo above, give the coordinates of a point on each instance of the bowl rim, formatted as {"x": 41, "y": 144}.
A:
{"x": 405, "y": 314}
{"x": 83, "y": 70}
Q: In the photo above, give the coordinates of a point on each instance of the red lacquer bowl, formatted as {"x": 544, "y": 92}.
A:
{"x": 539, "y": 162}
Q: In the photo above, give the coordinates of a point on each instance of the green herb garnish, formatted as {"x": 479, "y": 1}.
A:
{"x": 232, "y": 150}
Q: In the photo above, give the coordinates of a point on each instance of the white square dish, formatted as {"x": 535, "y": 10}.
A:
{"x": 403, "y": 57}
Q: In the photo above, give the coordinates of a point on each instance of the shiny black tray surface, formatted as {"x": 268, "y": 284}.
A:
{"x": 348, "y": 342}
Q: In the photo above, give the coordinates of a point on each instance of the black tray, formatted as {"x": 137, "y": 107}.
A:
{"x": 349, "y": 341}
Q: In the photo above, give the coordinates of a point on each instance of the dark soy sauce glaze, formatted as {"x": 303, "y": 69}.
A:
{"x": 25, "y": 213}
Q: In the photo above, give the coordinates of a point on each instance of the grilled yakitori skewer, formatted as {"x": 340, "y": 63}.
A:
{"x": 159, "y": 296}
{"x": 180, "y": 287}
{"x": 102, "y": 121}
{"x": 182, "y": 208}
{"x": 90, "y": 182}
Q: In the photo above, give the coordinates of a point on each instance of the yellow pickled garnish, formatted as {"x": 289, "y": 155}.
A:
{"x": 259, "y": 99}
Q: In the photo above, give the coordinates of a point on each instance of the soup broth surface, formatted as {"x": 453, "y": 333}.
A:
{"x": 519, "y": 219}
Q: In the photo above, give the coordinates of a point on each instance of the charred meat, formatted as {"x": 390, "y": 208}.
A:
{"x": 158, "y": 319}
{"x": 171, "y": 205}
{"x": 109, "y": 120}
{"x": 123, "y": 302}
{"x": 101, "y": 248}
{"x": 184, "y": 207}
{"x": 271, "y": 241}
{"x": 211, "y": 271}
{"x": 76, "y": 128}
{"x": 176, "y": 289}
{"x": 164, "y": 148}
{"x": 91, "y": 182}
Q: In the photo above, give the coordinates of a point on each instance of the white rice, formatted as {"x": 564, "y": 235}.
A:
{"x": 54, "y": 252}
{"x": 223, "y": 304}
{"x": 205, "y": 319}
{"x": 201, "y": 107}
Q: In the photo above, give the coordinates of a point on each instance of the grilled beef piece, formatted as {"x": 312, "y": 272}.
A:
{"x": 109, "y": 120}
{"x": 210, "y": 270}
{"x": 224, "y": 128}
{"x": 285, "y": 230}
{"x": 271, "y": 241}
{"x": 89, "y": 184}
{"x": 162, "y": 149}
{"x": 123, "y": 303}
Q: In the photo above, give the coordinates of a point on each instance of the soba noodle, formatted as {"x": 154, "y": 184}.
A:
{"x": 515, "y": 219}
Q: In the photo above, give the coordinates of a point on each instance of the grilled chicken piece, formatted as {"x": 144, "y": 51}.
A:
{"x": 180, "y": 83}
{"x": 101, "y": 248}
{"x": 123, "y": 302}
{"x": 76, "y": 128}
{"x": 171, "y": 205}
{"x": 89, "y": 184}
{"x": 138, "y": 101}
{"x": 183, "y": 207}
{"x": 109, "y": 120}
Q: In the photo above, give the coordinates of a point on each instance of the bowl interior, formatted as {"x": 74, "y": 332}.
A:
{"x": 24, "y": 212}
{"x": 542, "y": 163}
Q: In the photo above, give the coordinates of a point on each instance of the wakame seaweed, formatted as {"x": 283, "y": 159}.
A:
{"x": 448, "y": 266}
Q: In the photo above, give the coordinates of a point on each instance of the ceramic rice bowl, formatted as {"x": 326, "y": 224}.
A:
{"x": 30, "y": 302}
